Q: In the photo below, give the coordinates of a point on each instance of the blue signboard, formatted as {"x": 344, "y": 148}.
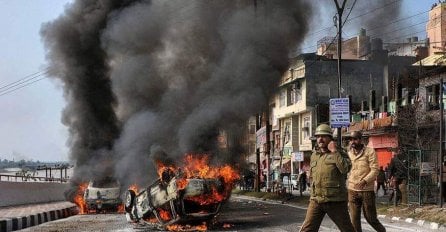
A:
{"x": 339, "y": 112}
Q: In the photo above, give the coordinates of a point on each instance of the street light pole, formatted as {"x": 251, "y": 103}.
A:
{"x": 340, "y": 11}
{"x": 441, "y": 142}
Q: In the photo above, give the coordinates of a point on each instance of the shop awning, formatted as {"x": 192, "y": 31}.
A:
{"x": 432, "y": 60}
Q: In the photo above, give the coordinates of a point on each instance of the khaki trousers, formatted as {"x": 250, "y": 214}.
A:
{"x": 337, "y": 211}
{"x": 364, "y": 200}
{"x": 403, "y": 189}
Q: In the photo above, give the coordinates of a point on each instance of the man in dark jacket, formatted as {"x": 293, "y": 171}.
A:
{"x": 328, "y": 169}
{"x": 380, "y": 180}
{"x": 398, "y": 174}
{"x": 302, "y": 182}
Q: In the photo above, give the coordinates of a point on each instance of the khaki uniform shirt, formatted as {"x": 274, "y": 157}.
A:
{"x": 328, "y": 172}
{"x": 364, "y": 167}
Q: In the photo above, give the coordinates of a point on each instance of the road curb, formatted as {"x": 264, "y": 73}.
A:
{"x": 18, "y": 223}
{"x": 422, "y": 223}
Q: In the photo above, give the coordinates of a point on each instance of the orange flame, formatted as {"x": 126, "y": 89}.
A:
{"x": 151, "y": 220}
{"x": 121, "y": 208}
{"x": 213, "y": 198}
{"x": 162, "y": 168}
{"x": 164, "y": 215}
{"x": 79, "y": 198}
{"x": 197, "y": 166}
{"x": 182, "y": 183}
{"x": 134, "y": 187}
{"x": 177, "y": 227}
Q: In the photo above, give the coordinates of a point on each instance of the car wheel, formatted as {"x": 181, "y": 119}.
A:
{"x": 129, "y": 198}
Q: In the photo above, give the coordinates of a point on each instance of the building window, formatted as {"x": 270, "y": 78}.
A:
{"x": 306, "y": 128}
{"x": 289, "y": 95}
{"x": 414, "y": 97}
{"x": 432, "y": 97}
{"x": 252, "y": 129}
{"x": 294, "y": 94}
{"x": 282, "y": 98}
{"x": 297, "y": 95}
{"x": 252, "y": 148}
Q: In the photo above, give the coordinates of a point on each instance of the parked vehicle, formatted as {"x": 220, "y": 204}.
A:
{"x": 103, "y": 195}
{"x": 295, "y": 181}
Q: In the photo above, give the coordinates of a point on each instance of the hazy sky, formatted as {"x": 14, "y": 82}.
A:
{"x": 30, "y": 125}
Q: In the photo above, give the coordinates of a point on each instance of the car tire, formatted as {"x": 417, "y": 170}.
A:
{"x": 128, "y": 201}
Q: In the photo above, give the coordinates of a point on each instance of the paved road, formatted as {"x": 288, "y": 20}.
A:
{"x": 240, "y": 214}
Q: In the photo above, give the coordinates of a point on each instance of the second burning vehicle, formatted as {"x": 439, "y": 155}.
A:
{"x": 103, "y": 195}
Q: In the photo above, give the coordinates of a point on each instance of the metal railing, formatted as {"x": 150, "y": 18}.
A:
{"x": 29, "y": 178}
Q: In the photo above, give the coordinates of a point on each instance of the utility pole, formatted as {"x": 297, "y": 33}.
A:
{"x": 257, "y": 174}
{"x": 340, "y": 11}
{"x": 441, "y": 142}
{"x": 267, "y": 148}
{"x": 284, "y": 140}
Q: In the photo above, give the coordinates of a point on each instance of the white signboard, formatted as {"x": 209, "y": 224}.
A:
{"x": 339, "y": 112}
{"x": 260, "y": 137}
{"x": 298, "y": 156}
{"x": 427, "y": 168}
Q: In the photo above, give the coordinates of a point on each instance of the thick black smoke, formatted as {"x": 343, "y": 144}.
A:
{"x": 381, "y": 18}
{"x": 153, "y": 80}
{"x": 378, "y": 18}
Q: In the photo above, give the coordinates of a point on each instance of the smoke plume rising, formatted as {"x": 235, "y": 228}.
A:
{"x": 153, "y": 80}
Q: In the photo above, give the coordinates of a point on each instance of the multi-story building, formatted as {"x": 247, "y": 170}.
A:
{"x": 435, "y": 28}
{"x": 355, "y": 48}
{"x": 305, "y": 89}
{"x": 302, "y": 102}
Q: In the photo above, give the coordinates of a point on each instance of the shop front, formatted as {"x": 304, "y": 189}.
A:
{"x": 384, "y": 145}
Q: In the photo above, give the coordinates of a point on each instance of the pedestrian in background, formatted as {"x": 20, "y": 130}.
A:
{"x": 444, "y": 180}
{"x": 398, "y": 174}
{"x": 361, "y": 183}
{"x": 328, "y": 169}
{"x": 380, "y": 180}
{"x": 302, "y": 182}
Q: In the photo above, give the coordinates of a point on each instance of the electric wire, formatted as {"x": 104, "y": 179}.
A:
{"x": 23, "y": 82}
{"x": 377, "y": 26}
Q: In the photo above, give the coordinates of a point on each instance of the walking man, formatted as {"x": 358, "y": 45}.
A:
{"x": 328, "y": 169}
{"x": 398, "y": 173}
{"x": 361, "y": 183}
{"x": 302, "y": 182}
{"x": 381, "y": 180}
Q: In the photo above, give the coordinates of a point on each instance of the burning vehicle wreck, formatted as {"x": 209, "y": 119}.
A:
{"x": 103, "y": 195}
{"x": 179, "y": 198}
{"x": 168, "y": 204}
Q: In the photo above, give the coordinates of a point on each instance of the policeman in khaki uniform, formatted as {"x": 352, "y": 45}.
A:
{"x": 361, "y": 183}
{"x": 328, "y": 173}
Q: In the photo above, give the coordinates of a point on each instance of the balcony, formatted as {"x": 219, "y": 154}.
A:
{"x": 372, "y": 125}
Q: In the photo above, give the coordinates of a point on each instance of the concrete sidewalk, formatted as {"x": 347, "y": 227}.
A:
{"x": 20, "y": 217}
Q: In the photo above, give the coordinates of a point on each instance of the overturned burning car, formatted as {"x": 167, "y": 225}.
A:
{"x": 178, "y": 197}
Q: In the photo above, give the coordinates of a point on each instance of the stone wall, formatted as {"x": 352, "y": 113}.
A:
{"x": 19, "y": 193}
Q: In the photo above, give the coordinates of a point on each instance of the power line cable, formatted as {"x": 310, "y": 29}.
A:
{"x": 22, "y": 86}
{"x": 334, "y": 38}
{"x": 375, "y": 27}
{"x": 22, "y": 82}
{"x": 24, "y": 79}
{"x": 384, "y": 26}
{"x": 355, "y": 17}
